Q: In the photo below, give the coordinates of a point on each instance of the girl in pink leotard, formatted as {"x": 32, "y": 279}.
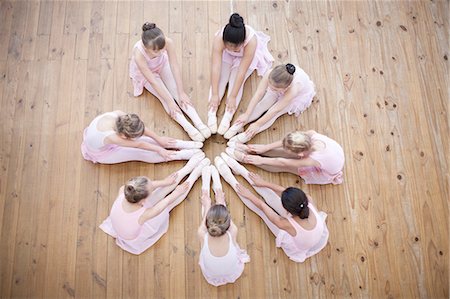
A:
{"x": 298, "y": 226}
{"x": 286, "y": 89}
{"x": 115, "y": 137}
{"x": 154, "y": 66}
{"x": 140, "y": 215}
{"x": 237, "y": 51}
{"x": 221, "y": 259}
{"x": 316, "y": 158}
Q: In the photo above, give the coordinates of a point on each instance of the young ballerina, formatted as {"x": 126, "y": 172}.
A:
{"x": 316, "y": 158}
{"x": 138, "y": 217}
{"x": 237, "y": 51}
{"x": 302, "y": 233}
{"x": 286, "y": 89}
{"x": 116, "y": 137}
{"x": 221, "y": 259}
{"x": 154, "y": 66}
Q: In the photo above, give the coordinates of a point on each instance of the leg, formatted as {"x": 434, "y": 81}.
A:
{"x": 217, "y": 187}
{"x": 195, "y": 174}
{"x": 271, "y": 121}
{"x": 169, "y": 80}
{"x": 241, "y": 157}
{"x": 186, "y": 144}
{"x": 225, "y": 72}
{"x": 225, "y": 172}
{"x": 193, "y": 133}
{"x": 270, "y": 197}
{"x": 159, "y": 193}
{"x": 268, "y": 100}
{"x": 126, "y": 154}
{"x": 228, "y": 116}
{"x": 206, "y": 196}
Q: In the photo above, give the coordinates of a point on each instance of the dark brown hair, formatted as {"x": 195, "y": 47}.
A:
{"x": 152, "y": 36}
{"x": 295, "y": 201}
{"x": 282, "y": 75}
{"x": 234, "y": 31}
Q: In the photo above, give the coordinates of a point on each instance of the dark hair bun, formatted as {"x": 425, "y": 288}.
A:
{"x": 148, "y": 26}
{"x": 290, "y": 68}
{"x": 236, "y": 21}
{"x": 129, "y": 188}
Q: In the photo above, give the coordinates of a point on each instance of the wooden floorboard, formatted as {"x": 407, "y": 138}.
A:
{"x": 381, "y": 75}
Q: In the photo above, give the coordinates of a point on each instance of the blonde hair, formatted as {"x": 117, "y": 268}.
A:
{"x": 282, "y": 75}
{"x": 218, "y": 220}
{"x": 297, "y": 142}
{"x": 130, "y": 125}
{"x": 136, "y": 189}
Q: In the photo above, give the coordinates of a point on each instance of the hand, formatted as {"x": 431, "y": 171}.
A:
{"x": 257, "y": 180}
{"x": 181, "y": 189}
{"x": 171, "y": 179}
{"x": 167, "y": 142}
{"x": 244, "y": 192}
{"x": 205, "y": 199}
{"x": 184, "y": 101}
{"x": 253, "y": 159}
{"x": 242, "y": 119}
{"x": 167, "y": 155}
{"x": 231, "y": 104}
{"x": 252, "y": 130}
{"x": 214, "y": 103}
{"x": 173, "y": 110}
{"x": 256, "y": 148}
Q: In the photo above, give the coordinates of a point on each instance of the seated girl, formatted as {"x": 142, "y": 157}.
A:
{"x": 302, "y": 232}
{"x": 116, "y": 137}
{"x": 139, "y": 216}
{"x": 316, "y": 158}
{"x": 221, "y": 260}
{"x": 286, "y": 89}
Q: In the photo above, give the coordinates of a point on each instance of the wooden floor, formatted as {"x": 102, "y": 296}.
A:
{"x": 381, "y": 73}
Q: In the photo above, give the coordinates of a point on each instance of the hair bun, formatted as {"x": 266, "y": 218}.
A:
{"x": 148, "y": 26}
{"x": 290, "y": 68}
{"x": 236, "y": 21}
{"x": 130, "y": 188}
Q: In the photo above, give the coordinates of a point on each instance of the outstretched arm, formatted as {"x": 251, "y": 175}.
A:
{"x": 150, "y": 77}
{"x": 280, "y": 162}
{"x": 259, "y": 182}
{"x": 216, "y": 66}
{"x": 276, "y": 219}
{"x": 114, "y": 139}
{"x": 256, "y": 98}
{"x": 163, "y": 204}
{"x": 175, "y": 67}
{"x": 249, "y": 53}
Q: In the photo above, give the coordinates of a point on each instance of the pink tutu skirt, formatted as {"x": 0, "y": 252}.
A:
{"x": 299, "y": 255}
{"x": 151, "y": 232}
{"x": 96, "y": 156}
{"x": 231, "y": 277}
{"x": 318, "y": 176}
{"x": 262, "y": 61}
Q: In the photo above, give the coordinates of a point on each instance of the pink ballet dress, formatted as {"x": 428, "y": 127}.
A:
{"x": 93, "y": 147}
{"x": 155, "y": 64}
{"x": 262, "y": 61}
{"x": 331, "y": 159}
{"x": 225, "y": 269}
{"x": 306, "y": 243}
{"x": 129, "y": 234}
{"x": 307, "y": 92}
